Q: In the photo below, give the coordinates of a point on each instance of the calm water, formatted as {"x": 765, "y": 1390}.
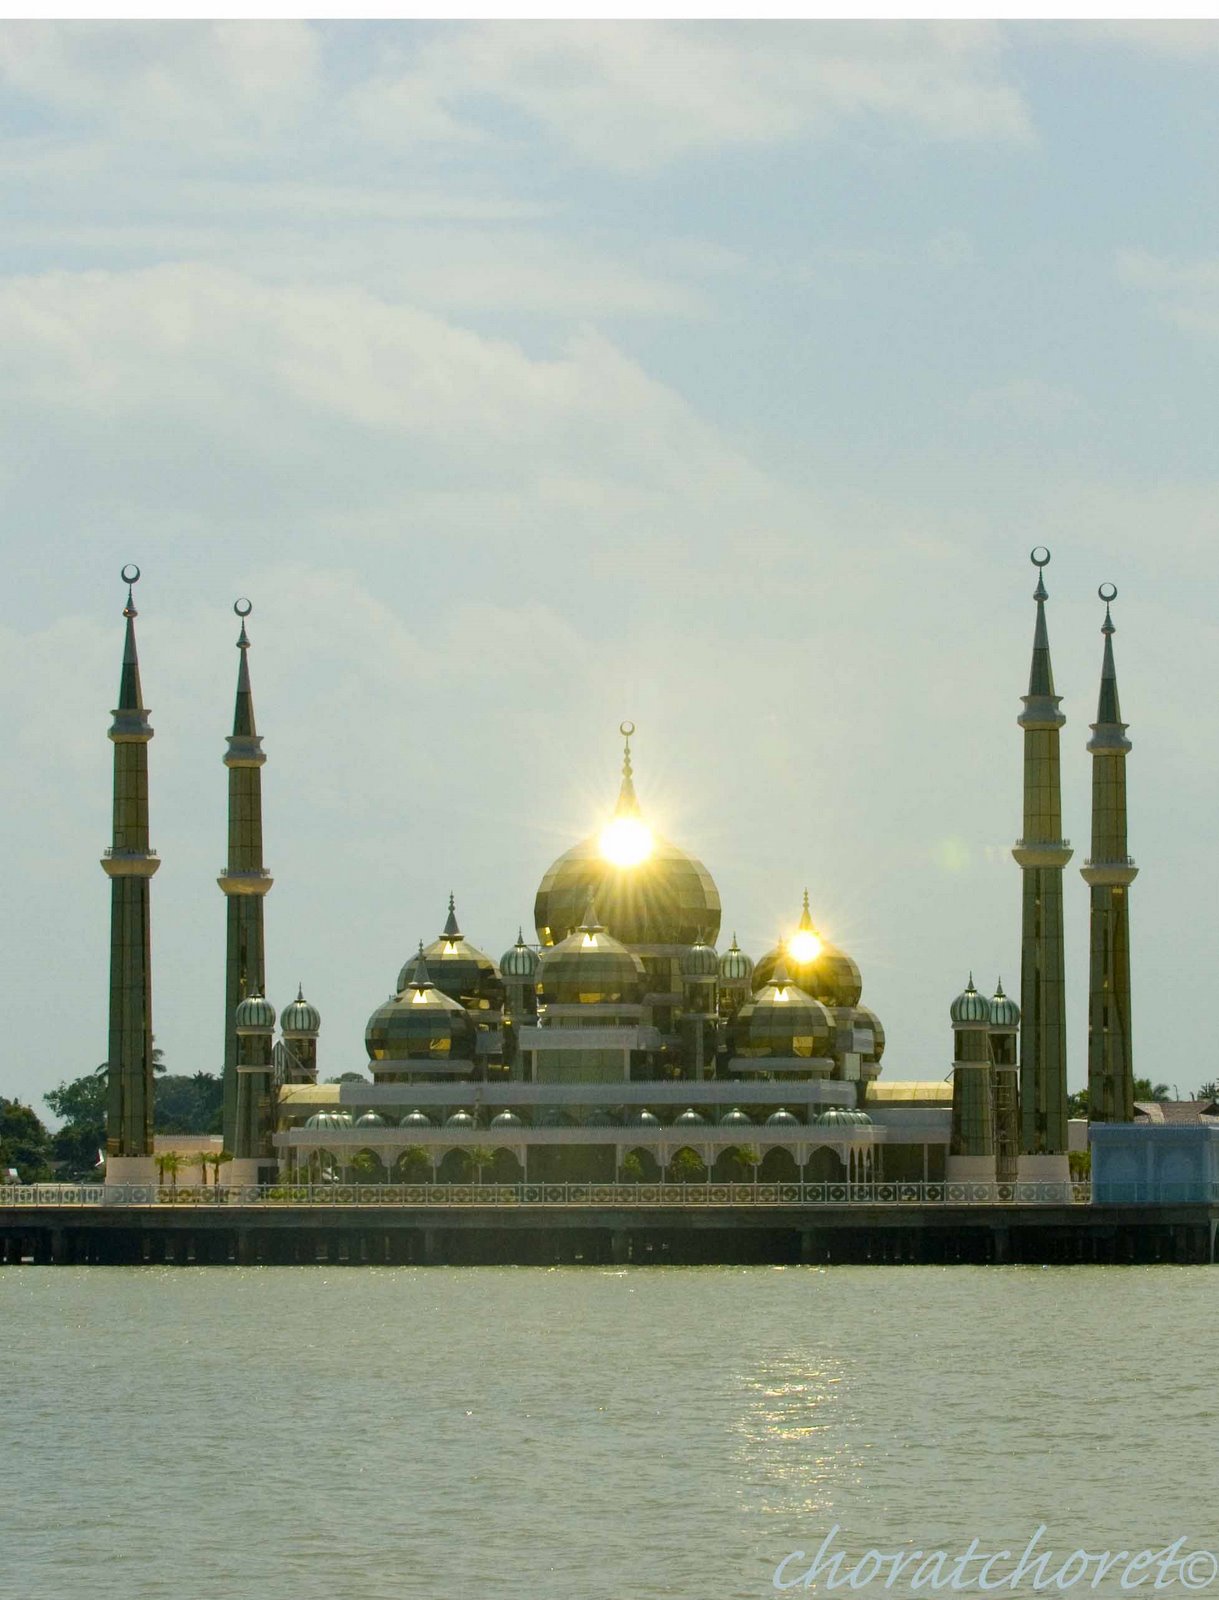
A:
{"x": 575, "y": 1434}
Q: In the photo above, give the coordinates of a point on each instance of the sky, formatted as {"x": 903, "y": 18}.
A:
{"x": 532, "y": 377}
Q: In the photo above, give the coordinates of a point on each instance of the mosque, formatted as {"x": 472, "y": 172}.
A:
{"x": 620, "y": 1043}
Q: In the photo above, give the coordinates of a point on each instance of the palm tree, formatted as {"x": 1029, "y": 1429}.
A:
{"x": 481, "y": 1157}
{"x": 1144, "y": 1089}
{"x": 632, "y": 1168}
{"x": 170, "y": 1161}
{"x": 216, "y": 1160}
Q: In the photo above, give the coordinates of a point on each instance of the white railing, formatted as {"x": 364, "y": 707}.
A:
{"x": 449, "y": 1195}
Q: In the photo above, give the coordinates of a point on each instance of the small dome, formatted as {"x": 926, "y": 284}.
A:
{"x": 416, "y": 1119}
{"x": 970, "y": 1008}
{"x": 689, "y": 1119}
{"x": 835, "y": 1117}
{"x": 700, "y": 961}
{"x": 554, "y": 1117}
{"x": 370, "y": 1119}
{"x": 589, "y": 968}
{"x": 782, "y": 1021}
{"x": 643, "y": 1118}
{"x": 341, "y": 1119}
{"x": 299, "y": 1018}
{"x": 520, "y": 961}
{"x": 255, "y": 1015}
{"x": 328, "y": 1119}
{"x": 735, "y": 965}
{"x": 506, "y": 1119}
{"x": 735, "y": 1118}
{"x": 419, "y": 1023}
{"x": 1004, "y": 1012}
{"x": 599, "y": 1117}
{"x": 782, "y": 1118}
{"x": 818, "y": 967}
{"x": 459, "y": 1119}
{"x": 458, "y": 969}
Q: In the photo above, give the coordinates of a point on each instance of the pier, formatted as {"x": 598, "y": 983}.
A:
{"x": 545, "y": 1225}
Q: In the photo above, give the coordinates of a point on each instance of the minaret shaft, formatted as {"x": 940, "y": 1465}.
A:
{"x": 245, "y": 881}
{"x": 129, "y": 864}
{"x": 1042, "y": 854}
{"x": 1109, "y": 873}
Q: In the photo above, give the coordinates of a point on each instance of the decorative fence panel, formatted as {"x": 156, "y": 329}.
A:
{"x": 446, "y": 1196}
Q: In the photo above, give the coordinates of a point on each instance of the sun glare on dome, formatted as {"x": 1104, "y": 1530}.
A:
{"x": 804, "y": 947}
{"x": 626, "y": 842}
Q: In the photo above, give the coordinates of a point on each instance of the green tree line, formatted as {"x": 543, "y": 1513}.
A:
{"x": 180, "y": 1105}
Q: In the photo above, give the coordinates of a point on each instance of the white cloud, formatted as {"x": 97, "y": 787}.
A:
{"x": 195, "y": 398}
{"x": 225, "y": 81}
{"x": 1186, "y": 293}
{"x": 634, "y": 96}
{"x": 460, "y": 268}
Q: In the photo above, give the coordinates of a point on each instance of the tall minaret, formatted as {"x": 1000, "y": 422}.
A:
{"x": 129, "y": 864}
{"x": 245, "y": 879}
{"x": 1109, "y": 872}
{"x": 1041, "y": 855}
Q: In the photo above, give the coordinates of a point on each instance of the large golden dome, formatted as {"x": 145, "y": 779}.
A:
{"x": 647, "y": 890}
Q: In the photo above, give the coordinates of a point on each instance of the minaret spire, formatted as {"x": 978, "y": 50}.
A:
{"x": 628, "y": 803}
{"x": 245, "y": 881}
{"x": 1109, "y": 872}
{"x": 129, "y": 863}
{"x": 1042, "y": 853}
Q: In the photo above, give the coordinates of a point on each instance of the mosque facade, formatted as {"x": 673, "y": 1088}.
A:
{"x": 620, "y": 1042}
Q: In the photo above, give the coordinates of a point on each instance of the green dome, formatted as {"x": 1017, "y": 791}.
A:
{"x": 554, "y": 1117}
{"x": 506, "y": 1119}
{"x": 643, "y": 1118}
{"x": 420, "y": 1023}
{"x": 255, "y": 1015}
{"x": 782, "y": 1021}
{"x": 458, "y": 969}
{"x": 328, "y": 1119}
{"x": 970, "y": 1009}
{"x": 520, "y": 961}
{"x": 370, "y": 1119}
{"x": 735, "y": 1118}
{"x": 416, "y": 1119}
{"x": 782, "y": 1118}
{"x": 842, "y": 1117}
{"x": 653, "y": 893}
{"x": 700, "y": 961}
{"x": 589, "y": 968}
{"x": 299, "y": 1019}
{"x": 735, "y": 965}
{"x": 459, "y": 1119}
{"x": 689, "y": 1119}
{"x": 1004, "y": 1012}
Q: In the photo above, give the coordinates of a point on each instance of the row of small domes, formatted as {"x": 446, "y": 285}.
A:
{"x": 833, "y": 1116}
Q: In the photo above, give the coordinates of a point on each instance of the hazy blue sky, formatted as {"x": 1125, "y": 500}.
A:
{"x": 528, "y": 378}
